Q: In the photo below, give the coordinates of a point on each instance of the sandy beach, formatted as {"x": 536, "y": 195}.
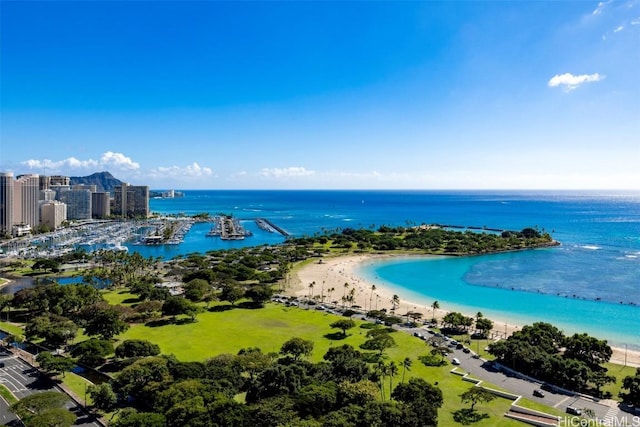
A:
{"x": 331, "y": 274}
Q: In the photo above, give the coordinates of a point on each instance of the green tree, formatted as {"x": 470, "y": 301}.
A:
{"x": 137, "y": 348}
{"x": 103, "y": 397}
{"x": 344, "y": 325}
{"x": 587, "y": 349}
{"x": 131, "y": 418}
{"x": 477, "y": 395}
{"x": 175, "y": 306}
{"x": 378, "y": 342}
{"x": 632, "y": 385}
{"x": 105, "y": 322}
{"x": 55, "y": 330}
{"x": 54, "y": 364}
{"x": 259, "y": 294}
{"x": 406, "y": 365}
{"x": 297, "y": 348}
{"x": 92, "y": 352}
{"x": 44, "y": 409}
{"x": 435, "y": 306}
{"x": 133, "y": 379}
{"x": 231, "y": 293}
{"x": 196, "y": 289}
{"x": 485, "y": 325}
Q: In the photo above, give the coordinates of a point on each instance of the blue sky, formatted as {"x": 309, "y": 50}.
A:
{"x": 312, "y": 94}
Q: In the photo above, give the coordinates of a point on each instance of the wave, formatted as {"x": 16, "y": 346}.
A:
{"x": 591, "y": 247}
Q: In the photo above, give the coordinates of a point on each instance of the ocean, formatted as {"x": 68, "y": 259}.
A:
{"x": 590, "y": 283}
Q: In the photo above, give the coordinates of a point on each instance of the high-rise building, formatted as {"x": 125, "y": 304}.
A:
{"x": 26, "y": 195}
{"x": 59, "y": 180}
{"x": 131, "y": 201}
{"x": 100, "y": 205}
{"x": 53, "y": 213}
{"x": 92, "y": 188}
{"x": 6, "y": 202}
{"x": 47, "y": 195}
{"x": 78, "y": 203}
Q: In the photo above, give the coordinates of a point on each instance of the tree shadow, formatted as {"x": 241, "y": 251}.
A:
{"x": 131, "y": 300}
{"x": 468, "y": 416}
{"x": 251, "y": 305}
{"x": 158, "y": 323}
{"x": 335, "y": 336}
{"x": 170, "y": 321}
{"x": 221, "y": 308}
{"x": 371, "y": 357}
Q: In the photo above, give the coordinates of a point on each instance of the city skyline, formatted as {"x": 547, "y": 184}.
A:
{"x": 324, "y": 95}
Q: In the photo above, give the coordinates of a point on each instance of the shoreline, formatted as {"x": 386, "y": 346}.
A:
{"x": 332, "y": 273}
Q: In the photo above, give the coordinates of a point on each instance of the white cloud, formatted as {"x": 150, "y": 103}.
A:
{"x": 108, "y": 160}
{"x": 570, "y": 81}
{"x": 294, "y": 171}
{"x": 119, "y": 161}
{"x": 620, "y": 28}
{"x": 598, "y": 10}
{"x": 193, "y": 170}
{"x": 635, "y": 21}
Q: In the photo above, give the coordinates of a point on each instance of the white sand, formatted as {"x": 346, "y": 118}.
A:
{"x": 330, "y": 275}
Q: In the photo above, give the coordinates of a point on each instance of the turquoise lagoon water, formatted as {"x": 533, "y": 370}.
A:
{"x": 424, "y": 280}
{"x": 591, "y": 283}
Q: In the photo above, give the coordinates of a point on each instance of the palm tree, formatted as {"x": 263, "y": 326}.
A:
{"x": 435, "y": 305}
{"x": 406, "y": 365}
{"x": 311, "y": 285}
{"x": 381, "y": 370}
{"x": 395, "y": 302}
{"x": 392, "y": 370}
{"x": 479, "y": 316}
{"x": 373, "y": 288}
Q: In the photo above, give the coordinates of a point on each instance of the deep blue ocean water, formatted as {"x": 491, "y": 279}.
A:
{"x": 591, "y": 283}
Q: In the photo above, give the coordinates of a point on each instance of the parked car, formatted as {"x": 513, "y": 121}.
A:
{"x": 1, "y": 364}
{"x": 538, "y": 393}
{"x": 455, "y": 361}
{"x": 573, "y": 411}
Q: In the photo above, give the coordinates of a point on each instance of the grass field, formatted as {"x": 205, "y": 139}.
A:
{"x": 7, "y": 395}
{"x": 229, "y": 331}
{"x": 11, "y": 328}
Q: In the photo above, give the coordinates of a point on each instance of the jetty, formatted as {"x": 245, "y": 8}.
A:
{"x": 228, "y": 228}
{"x": 269, "y": 226}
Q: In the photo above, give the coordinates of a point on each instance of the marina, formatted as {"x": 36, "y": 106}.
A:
{"x": 228, "y": 228}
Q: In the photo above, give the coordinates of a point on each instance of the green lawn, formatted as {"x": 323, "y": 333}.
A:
{"x": 619, "y": 372}
{"x": 121, "y": 296}
{"x": 268, "y": 328}
{"x": 77, "y": 384}
{"x": 11, "y": 328}
{"x": 7, "y": 395}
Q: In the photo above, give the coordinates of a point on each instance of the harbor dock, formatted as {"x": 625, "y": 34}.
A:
{"x": 269, "y": 226}
{"x": 228, "y": 228}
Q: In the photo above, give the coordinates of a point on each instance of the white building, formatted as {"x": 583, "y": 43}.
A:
{"x": 53, "y": 213}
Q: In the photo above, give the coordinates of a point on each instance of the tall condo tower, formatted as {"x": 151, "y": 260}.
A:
{"x": 6, "y": 202}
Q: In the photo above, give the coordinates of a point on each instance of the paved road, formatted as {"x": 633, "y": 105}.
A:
{"x": 23, "y": 380}
{"x": 479, "y": 369}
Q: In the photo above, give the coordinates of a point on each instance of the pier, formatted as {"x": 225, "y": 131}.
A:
{"x": 228, "y": 228}
{"x": 269, "y": 226}
{"x": 469, "y": 227}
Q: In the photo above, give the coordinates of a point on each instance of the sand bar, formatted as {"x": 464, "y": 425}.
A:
{"x": 331, "y": 274}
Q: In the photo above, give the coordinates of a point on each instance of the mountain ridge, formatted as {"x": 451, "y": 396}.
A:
{"x": 103, "y": 181}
